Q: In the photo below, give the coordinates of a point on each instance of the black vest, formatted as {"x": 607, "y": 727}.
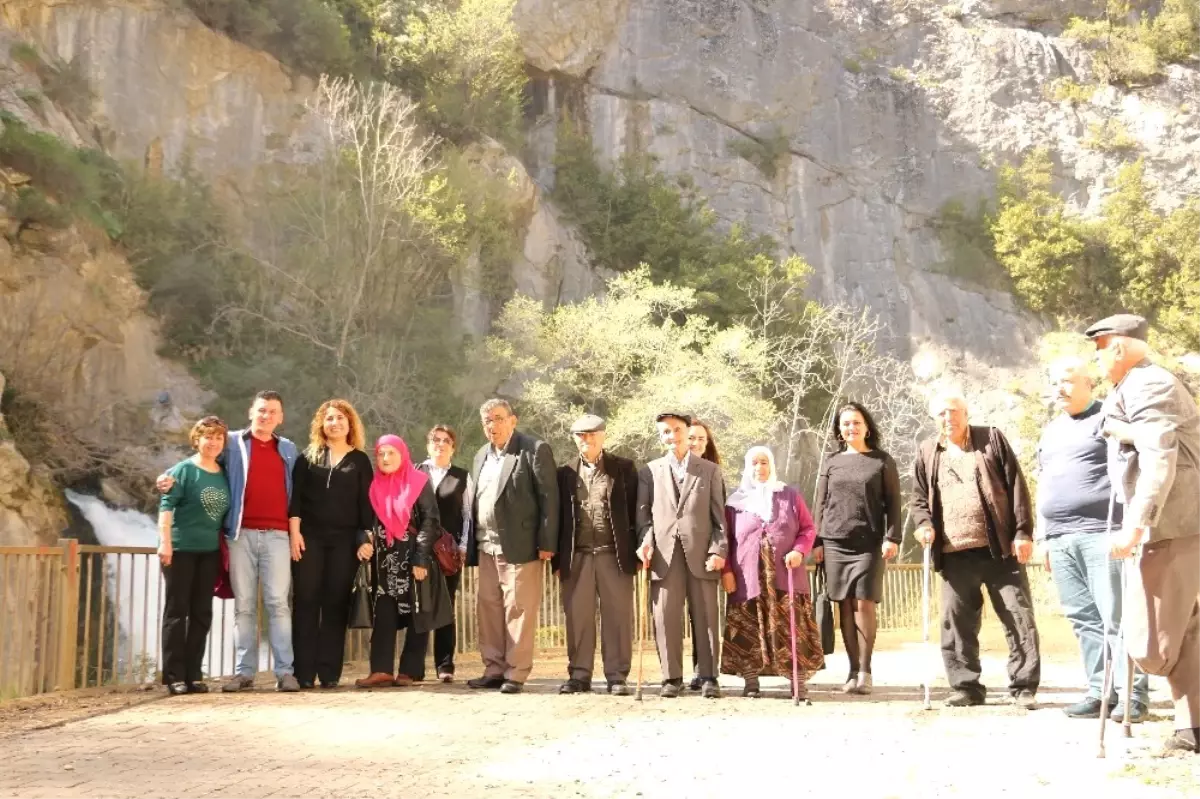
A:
{"x": 450, "y": 501}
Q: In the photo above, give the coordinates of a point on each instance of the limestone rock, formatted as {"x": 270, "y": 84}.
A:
{"x": 31, "y": 511}
{"x": 565, "y": 36}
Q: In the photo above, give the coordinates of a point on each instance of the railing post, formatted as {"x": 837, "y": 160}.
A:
{"x": 68, "y": 617}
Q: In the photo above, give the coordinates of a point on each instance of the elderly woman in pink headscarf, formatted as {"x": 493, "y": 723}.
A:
{"x": 770, "y": 531}
{"x": 402, "y": 545}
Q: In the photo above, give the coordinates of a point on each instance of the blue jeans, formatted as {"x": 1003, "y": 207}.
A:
{"x": 1089, "y": 588}
{"x": 262, "y": 557}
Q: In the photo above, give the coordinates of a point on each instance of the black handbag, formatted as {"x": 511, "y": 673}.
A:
{"x": 823, "y": 612}
{"x": 362, "y": 600}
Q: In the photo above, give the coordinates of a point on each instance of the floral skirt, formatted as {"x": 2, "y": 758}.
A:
{"x": 758, "y": 632}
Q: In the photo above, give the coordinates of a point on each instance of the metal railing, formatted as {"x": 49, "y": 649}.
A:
{"x": 74, "y": 616}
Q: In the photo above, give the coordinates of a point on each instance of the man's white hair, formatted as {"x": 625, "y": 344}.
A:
{"x": 1071, "y": 364}
{"x": 947, "y": 396}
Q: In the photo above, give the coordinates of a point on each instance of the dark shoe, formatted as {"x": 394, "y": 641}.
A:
{"x": 696, "y": 684}
{"x": 177, "y": 688}
{"x": 670, "y": 690}
{"x": 963, "y": 699}
{"x": 1025, "y": 698}
{"x": 375, "y": 680}
{"x": 197, "y": 688}
{"x": 403, "y": 681}
{"x": 287, "y": 684}
{"x": 711, "y": 690}
{"x": 491, "y": 683}
{"x": 618, "y": 688}
{"x": 512, "y": 687}
{"x": 1088, "y": 708}
{"x": 752, "y": 689}
{"x": 1139, "y": 714}
{"x": 575, "y": 687}
{"x": 1183, "y": 742}
{"x": 238, "y": 684}
{"x": 306, "y": 685}
{"x": 330, "y": 685}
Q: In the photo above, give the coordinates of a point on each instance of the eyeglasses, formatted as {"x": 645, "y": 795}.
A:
{"x": 440, "y": 440}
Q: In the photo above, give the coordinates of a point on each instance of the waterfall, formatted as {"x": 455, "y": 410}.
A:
{"x": 138, "y": 594}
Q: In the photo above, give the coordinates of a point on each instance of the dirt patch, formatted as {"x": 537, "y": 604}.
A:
{"x": 50, "y": 710}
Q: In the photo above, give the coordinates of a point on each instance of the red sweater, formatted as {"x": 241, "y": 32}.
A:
{"x": 265, "y": 506}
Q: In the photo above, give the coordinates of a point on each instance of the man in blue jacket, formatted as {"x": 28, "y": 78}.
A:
{"x": 258, "y": 464}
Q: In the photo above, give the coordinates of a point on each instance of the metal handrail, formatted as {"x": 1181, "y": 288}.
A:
{"x": 77, "y": 615}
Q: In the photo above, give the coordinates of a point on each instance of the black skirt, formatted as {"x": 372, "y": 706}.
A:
{"x": 853, "y": 570}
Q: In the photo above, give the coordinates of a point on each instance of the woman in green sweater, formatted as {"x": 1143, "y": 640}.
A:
{"x": 189, "y": 524}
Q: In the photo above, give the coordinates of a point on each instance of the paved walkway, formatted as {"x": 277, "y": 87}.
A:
{"x": 446, "y": 741}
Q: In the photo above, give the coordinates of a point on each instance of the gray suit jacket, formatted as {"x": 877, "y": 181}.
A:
{"x": 698, "y": 516}
{"x": 1154, "y": 451}
{"x": 527, "y": 503}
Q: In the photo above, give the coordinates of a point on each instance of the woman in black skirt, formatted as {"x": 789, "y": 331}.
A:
{"x": 858, "y": 528}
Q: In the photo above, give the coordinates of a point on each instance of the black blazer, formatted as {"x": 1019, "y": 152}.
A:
{"x": 527, "y": 503}
{"x": 622, "y": 504}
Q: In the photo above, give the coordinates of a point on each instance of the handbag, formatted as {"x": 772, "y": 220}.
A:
{"x": 362, "y": 605}
{"x": 823, "y": 612}
{"x": 223, "y": 586}
{"x": 445, "y": 551}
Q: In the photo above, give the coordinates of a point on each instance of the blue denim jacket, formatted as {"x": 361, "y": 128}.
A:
{"x": 237, "y": 468}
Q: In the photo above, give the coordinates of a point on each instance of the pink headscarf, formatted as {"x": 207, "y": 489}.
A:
{"x": 393, "y": 495}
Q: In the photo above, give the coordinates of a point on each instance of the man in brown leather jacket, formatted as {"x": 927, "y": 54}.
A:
{"x": 1153, "y": 431}
{"x": 971, "y": 505}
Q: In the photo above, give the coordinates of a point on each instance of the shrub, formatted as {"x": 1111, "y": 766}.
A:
{"x": 636, "y": 215}
{"x": 1069, "y": 90}
{"x": 1136, "y": 54}
{"x": 64, "y": 83}
{"x": 31, "y": 206}
{"x": 1110, "y": 136}
{"x": 767, "y": 154}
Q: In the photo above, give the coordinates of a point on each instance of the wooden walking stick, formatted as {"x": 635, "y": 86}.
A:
{"x": 643, "y": 586}
{"x": 1105, "y": 687}
{"x": 792, "y": 619}
{"x": 925, "y": 678}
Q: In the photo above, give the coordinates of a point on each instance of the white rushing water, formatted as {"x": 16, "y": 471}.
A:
{"x": 135, "y": 593}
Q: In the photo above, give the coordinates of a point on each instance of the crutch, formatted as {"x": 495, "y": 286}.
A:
{"x": 925, "y": 620}
{"x": 643, "y": 589}
{"x": 792, "y": 619}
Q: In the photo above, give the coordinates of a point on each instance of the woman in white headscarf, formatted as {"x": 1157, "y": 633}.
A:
{"x": 770, "y": 531}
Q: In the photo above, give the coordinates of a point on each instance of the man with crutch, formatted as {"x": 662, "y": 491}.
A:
{"x": 1153, "y": 431}
{"x": 1074, "y": 515}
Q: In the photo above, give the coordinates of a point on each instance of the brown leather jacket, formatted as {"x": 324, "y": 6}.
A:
{"x": 1001, "y": 485}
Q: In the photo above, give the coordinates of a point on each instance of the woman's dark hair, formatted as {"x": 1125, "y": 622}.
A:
{"x": 873, "y": 439}
{"x": 710, "y": 449}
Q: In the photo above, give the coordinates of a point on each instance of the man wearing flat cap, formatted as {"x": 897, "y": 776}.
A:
{"x": 597, "y": 558}
{"x": 1153, "y": 432}
{"x": 681, "y": 520}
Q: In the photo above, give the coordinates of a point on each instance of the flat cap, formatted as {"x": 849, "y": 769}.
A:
{"x": 683, "y": 417}
{"x": 1122, "y": 324}
{"x": 588, "y": 423}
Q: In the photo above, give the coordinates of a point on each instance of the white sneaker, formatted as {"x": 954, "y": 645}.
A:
{"x": 851, "y": 684}
{"x": 865, "y": 684}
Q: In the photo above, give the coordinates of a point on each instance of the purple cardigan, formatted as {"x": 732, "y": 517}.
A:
{"x": 790, "y": 529}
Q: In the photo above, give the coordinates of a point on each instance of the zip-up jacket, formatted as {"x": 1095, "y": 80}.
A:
{"x": 236, "y": 460}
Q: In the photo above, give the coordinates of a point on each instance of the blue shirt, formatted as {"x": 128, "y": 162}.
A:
{"x": 1073, "y": 487}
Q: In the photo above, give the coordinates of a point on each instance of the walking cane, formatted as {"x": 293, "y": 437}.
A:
{"x": 925, "y": 620}
{"x": 1106, "y": 683}
{"x": 642, "y": 623}
{"x": 792, "y": 619}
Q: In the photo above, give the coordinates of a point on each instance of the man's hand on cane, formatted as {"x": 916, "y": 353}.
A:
{"x": 1123, "y": 543}
{"x": 644, "y": 553}
{"x": 924, "y": 535}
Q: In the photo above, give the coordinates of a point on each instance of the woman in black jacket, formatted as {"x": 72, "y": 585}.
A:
{"x": 402, "y": 543}
{"x": 329, "y": 519}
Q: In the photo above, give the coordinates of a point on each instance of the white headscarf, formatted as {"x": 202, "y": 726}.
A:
{"x": 753, "y": 496}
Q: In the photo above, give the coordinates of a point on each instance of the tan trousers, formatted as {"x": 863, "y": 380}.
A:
{"x": 507, "y": 608}
{"x": 1161, "y": 620}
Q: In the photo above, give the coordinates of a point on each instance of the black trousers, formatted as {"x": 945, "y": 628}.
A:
{"x": 388, "y": 622}
{"x": 321, "y": 583}
{"x": 964, "y": 574}
{"x": 416, "y": 645}
{"x": 187, "y": 614}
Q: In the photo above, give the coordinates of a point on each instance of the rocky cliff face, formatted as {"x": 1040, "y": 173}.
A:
{"x": 32, "y": 511}
{"x": 880, "y": 113}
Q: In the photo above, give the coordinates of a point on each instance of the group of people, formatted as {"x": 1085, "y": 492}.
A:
{"x": 301, "y": 522}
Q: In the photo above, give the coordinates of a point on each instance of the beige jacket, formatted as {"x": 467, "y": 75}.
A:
{"x": 697, "y": 517}
{"x": 1153, "y": 432}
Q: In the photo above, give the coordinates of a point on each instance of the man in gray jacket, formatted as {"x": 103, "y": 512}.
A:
{"x": 1153, "y": 430}
{"x": 516, "y": 528}
{"x": 681, "y": 519}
